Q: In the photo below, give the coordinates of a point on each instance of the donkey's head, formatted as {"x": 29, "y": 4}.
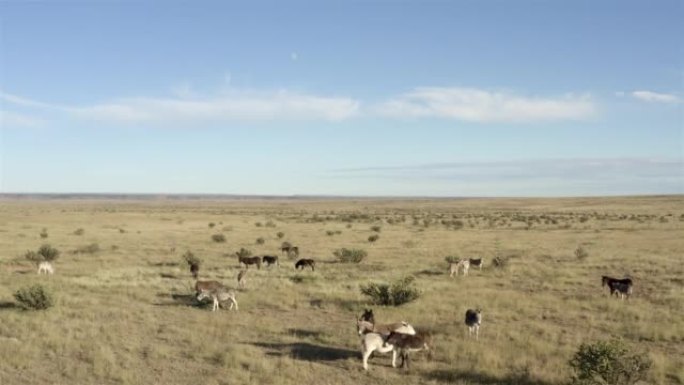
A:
{"x": 363, "y": 327}
{"x": 368, "y": 316}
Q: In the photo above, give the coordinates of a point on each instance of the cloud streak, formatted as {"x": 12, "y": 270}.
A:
{"x": 656, "y": 97}
{"x": 482, "y": 106}
{"x": 236, "y": 105}
{"x": 539, "y": 176}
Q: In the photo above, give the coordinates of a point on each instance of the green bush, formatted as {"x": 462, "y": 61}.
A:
{"x": 580, "y": 253}
{"x": 280, "y": 234}
{"x": 608, "y": 363}
{"x": 243, "y": 253}
{"x": 44, "y": 253}
{"x": 376, "y": 228}
{"x": 88, "y": 249}
{"x": 350, "y": 255}
{"x": 260, "y": 241}
{"x": 218, "y": 238}
{"x": 452, "y": 259}
{"x": 34, "y": 297}
{"x": 79, "y": 231}
{"x": 211, "y": 225}
{"x": 373, "y": 238}
{"x": 394, "y": 294}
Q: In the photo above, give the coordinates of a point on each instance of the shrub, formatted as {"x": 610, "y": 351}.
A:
{"x": 350, "y": 255}
{"x": 394, "y": 294}
{"x": 330, "y": 233}
{"x": 258, "y": 224}
{"x": 243, "y": 253}
{"x": 79, "y": 231}
{"x": 218, "y": 238}
{"x": 376, "y": 228}
{"x": 280, "y": 234}
{"x": 44, "y": 233}
{"x": 193, "y": 261}
{"x": 211, "y": 225}
{"x": 580, "y": 253}
{"x": 373, "y": 238}
{"x": 452, "y": 259}
{"x": 121, "y": 231}
{"x": 88, "y": 249}
{"x": 44, "y": 253}
{"x": 34, "y": 297}
{"x": 270, "y": 224}
{"x": 260, "y": 241}
{"x": 608, "y": 363}
{"x": 500, "y": 262}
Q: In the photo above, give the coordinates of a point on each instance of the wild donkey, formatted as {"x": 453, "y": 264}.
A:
{"x": 217, "y": 292}
{"x": 620, "y": 287}
{"x": 479, "y": 262}
{"x": 302, "y": 263}
{"x": 269, "y": 260}
{"x": 45, "y": 267}
{"x": 454, "y": 267}
{"x": 473, "y": 320}
{"x": 250, "y": 261}
{"x": 406, "y": 343}
{"x": 219, "y": 296}
{"x": 241, "y": 278}
{"x": 373, "y": 335}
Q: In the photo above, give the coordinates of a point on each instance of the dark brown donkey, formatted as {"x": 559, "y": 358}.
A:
{"x": 302, "y": 263}
{"x": 407, "y": 343}
{"x": 250, "y": 261}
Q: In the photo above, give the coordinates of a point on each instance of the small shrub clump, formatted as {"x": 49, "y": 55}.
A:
{"x": 580, "y": 253}
{"x": 243, "y": 253}
{"x": 88, "y": 249}
{"x": 608, "y": 363}
{"x": 45, "y": 253}
{"x": 44, "y": 233}
{"x": 79, "y": 231}
{"x": 280, "y": 234}
{"x": 350, "y": 255}
{"x": 397, "y": 293}
{"x": 193, "y": 262}
{"x": 377, "y": 229}
{"x": 373, "y": 238}
{"x": 260, "y": 241}
{"x": 218, "y": 238}
{"x": 34, "y": 297}
{"x": 211, "y": 225}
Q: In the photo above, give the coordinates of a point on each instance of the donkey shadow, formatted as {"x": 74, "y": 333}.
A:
{"x": 305, "y": 351}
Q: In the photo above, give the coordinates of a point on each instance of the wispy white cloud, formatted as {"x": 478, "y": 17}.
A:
{"x": 189, "y": 107}
{"x": 655, "y": 97}
{"x": 478, "y": 105}
{"x": 13, "y": 119}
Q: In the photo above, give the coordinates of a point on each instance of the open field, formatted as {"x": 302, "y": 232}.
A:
{"x": 125, "y": 315}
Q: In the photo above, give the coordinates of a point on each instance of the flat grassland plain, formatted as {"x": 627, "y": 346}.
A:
{"x": 124, "y": 313}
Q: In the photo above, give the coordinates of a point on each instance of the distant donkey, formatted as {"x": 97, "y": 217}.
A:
{"x": 250, "y": 261}
{"x": 302, "y": 263}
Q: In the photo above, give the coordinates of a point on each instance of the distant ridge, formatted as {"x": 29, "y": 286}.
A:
{"x": 193, "y": 197}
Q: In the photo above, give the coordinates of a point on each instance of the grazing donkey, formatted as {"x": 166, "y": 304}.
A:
{"x": 45, "y": 267}
{"x": 202, "y": 286}
{"x": 456, "y": 266}
{"x": 476, "y": 262}
{"x": 619, "y": 287}
{"x": 241, "y": 278}
{"x": 473, "y": 320}
{"x": 407, "y": 343}
{"x": 250, "y": 261}
{"x": 302, "y": 263}
{"x": 218, "y": 296}
{"x": 375, "y": 342}
{"x": 290, "y": 250}
{"x": 269, "y": 260}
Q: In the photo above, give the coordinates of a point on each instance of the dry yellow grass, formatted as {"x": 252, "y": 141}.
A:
{"x": 122, "y": 315}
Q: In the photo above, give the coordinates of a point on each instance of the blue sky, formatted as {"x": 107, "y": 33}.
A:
{"x": 461, "y": 98}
